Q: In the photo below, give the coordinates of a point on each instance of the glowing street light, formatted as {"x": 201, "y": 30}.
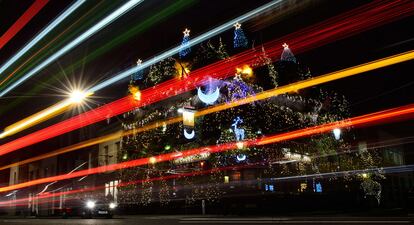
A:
{"x": 77, "y": 96}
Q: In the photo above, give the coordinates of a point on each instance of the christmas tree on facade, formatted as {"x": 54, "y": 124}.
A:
{"x": 209, "y": 176}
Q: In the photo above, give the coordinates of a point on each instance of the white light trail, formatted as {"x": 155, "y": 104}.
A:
{"x": 47, "y": 186}
{"x": 42, "y": 34}
{"x": 91, "y": 31}
{"x": 192, "y": 42}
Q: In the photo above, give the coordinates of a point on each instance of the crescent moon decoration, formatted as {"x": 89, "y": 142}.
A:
{"x": 208, "y": 98}
{"x": 189, "y": 135}
{"x": 241, "y": 157}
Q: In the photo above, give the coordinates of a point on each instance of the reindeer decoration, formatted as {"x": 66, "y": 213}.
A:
{"x": 238, "y": 131}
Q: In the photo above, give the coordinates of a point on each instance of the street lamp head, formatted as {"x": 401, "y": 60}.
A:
{"x": 77, "y": 96}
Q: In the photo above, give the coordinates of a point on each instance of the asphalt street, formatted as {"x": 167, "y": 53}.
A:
{"x": 210, "y": 220}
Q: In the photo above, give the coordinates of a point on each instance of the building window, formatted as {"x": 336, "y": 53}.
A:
{"x": 111, "y": 190}
{"x": 118, "y": 146}
{"x": 106, "y": 155}
{"x": 14, "y": 177}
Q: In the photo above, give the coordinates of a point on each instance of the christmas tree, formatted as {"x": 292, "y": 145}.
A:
{"x": 240, "y": 39}
{"x": 292, "y": 111}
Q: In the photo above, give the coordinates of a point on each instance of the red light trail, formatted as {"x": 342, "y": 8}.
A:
{"x": 336, "y": 28}
{"x": 22, "y": 21}
{"x": 168, "y": 177}
{"x": 49, "y": 43}
{"x": 404, "y": 112}
{"x": 23, "y": 201}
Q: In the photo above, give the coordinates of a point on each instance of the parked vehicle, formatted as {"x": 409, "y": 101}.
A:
{"x": 89, "y": 208}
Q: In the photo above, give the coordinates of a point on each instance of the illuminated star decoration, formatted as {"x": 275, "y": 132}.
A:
{"x": 186, "y": 32}
{"x": 185, "y": 47}
{"x": 287, "y": 54}
{"x": 240, "y": 39}
{"x": 140, "y": 73}
{"x": 238, "y": 77}
{"x": 237, "y": 25}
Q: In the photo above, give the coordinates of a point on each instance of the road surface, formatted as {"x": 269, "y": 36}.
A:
{"x": 158, "y": 220}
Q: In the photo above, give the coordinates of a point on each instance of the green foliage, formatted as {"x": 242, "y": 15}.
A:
{"x": 159, "y": 72}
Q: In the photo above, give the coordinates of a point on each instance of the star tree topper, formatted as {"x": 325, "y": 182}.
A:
{"x": 186, "y": 32}
{"x": 237, "y": 25}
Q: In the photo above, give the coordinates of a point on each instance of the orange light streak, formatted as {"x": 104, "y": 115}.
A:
{"x": 369, "y": 119}
{"x": 261, "y": 96}
{"x": 339, "y": 27}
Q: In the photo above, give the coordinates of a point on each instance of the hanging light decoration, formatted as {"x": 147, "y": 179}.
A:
{"x": 185, "y": 47}
{"x": 240, "y": 39}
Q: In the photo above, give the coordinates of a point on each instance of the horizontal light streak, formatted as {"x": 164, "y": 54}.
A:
{"x": 127, "y": 34}
{"x": 330, "y": 30}
{"x": 36, "y": 118}
{"x": 180, "y": 86}
{"x": 70, "y": 148}
{"x": 403, "y": 112}
{"x": 75, "y": 98}
{"x": 260, "y": 96}
{"x": 313, "y": 81}
{"x": 383, "y": 170}
{"x": 49, "y": 43}
{"x": 192, "y": 42}
{"x": 197, "y": 40}
{"x": 91, "y": 31}
{"x": 218, "y": 169}
{"x": 124, "y": 184}
{"x": 42, "y": 34}
{"x": 382, "y": 13}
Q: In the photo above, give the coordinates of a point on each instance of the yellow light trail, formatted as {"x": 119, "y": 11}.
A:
{"x": 261, "y": 96}
{"x": 294, "y": 87}
{"x": 36, "y": 118}
{"x": 75, "y": 98}
{"x": 90, "y": 142}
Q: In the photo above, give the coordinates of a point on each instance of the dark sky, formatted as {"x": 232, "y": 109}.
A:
{"x": 389, "y": 87}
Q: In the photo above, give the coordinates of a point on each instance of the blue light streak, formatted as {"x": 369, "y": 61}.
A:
{"x": 203, "y": 37}
{"x": 42, "y": 34}
{"x": 97, "y": 27}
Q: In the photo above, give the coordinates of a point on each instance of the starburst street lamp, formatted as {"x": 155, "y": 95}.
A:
{"x": 78, "y": 96}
